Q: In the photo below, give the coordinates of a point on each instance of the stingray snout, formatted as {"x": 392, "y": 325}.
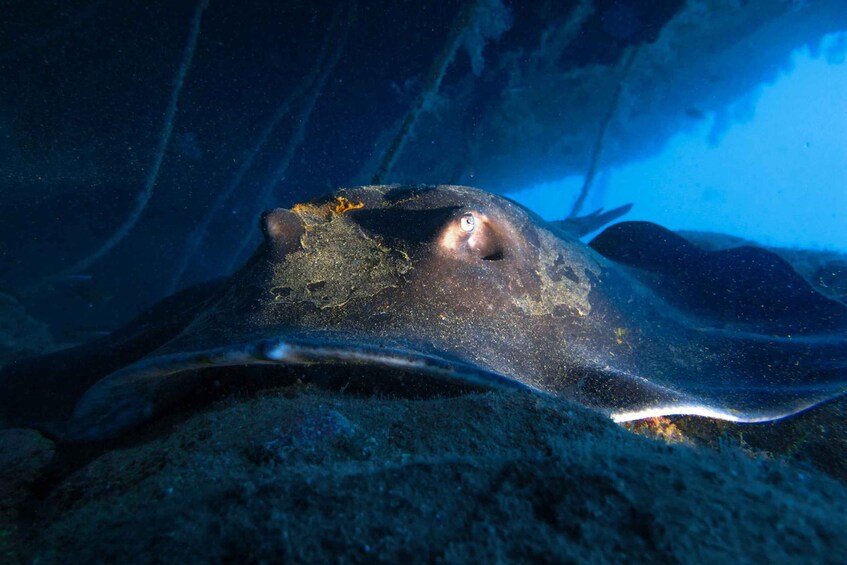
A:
{"x": 283, "y": 230}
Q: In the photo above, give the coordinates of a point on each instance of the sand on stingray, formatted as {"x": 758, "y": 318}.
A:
{"x": 303, "y": 475}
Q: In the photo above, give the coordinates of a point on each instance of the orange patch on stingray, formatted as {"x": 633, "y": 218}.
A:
{"x": 337, "y": 207}
{"x": 343, "y": 205}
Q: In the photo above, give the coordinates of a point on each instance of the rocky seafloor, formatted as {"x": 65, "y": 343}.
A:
{"x": 302, "y": 475}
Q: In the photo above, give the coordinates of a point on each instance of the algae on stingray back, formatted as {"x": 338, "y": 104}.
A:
{"x": 447, "y": 283}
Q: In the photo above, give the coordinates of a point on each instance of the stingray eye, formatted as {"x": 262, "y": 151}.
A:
{"x": 473, "y": 235}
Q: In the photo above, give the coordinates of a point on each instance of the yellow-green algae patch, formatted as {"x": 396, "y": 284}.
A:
{"x": 337, "y": 261}
{"x": 564, "y": 281}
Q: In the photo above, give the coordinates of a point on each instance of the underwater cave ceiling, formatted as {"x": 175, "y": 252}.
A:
{"x": 285, "y": 101}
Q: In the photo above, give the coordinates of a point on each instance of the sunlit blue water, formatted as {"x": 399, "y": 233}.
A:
{"x": 771, "y": 168}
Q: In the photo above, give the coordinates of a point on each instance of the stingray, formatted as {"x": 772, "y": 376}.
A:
{"x": 430, "y": 287}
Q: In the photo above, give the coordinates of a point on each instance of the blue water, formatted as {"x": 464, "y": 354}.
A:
{"x": 140, "y": 142}
{"x": 770, "y": 167}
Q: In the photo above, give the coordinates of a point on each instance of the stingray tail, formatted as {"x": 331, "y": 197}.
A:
{"x": 583, "y": 225}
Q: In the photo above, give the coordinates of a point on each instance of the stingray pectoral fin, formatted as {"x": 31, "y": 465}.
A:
{"x": 133, "y": 395}
{"x": 766, "y": 408}
{"x": 738, "y": 405}
{"x": 625, "y": 396}
{"x": 757, "y": 380}
{"x": 763, "y": 377}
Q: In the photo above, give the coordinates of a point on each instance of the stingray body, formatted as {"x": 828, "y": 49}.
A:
{"x": 426, "y": 286}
